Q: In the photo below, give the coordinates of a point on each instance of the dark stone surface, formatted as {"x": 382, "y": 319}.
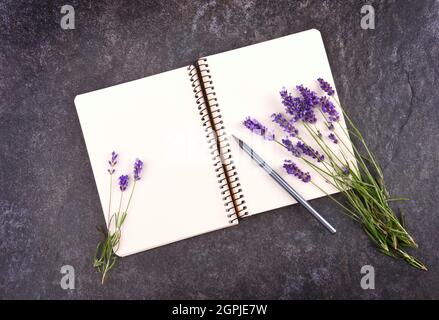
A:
{"x": 387, "y": 79}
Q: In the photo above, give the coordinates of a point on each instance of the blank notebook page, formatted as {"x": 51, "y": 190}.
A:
{"x": 155, "y": 119}
{"x": 247, "y": 82}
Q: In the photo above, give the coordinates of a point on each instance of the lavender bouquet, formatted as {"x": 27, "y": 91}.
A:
{"x": 105, "y": 256}
{"x": 352, "y": 170}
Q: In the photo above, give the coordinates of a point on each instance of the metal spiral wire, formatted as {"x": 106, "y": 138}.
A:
{"x": 211, "y": 120}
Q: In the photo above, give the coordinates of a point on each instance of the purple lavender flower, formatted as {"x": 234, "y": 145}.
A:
{"x": 298, "y": 108}
{"x": 112, "y": 162}
{"x": 138, "y": 166}
{"x": 310, "y": 97}
{"x": 326, "y": 87}
{"x": 333, "y": 138}
{"x": 297, "y": 152}
{"x": 331, "y": 126}
{"x": 293, "y": 169}
{"x": 292, "y": 104}
{"x": 123, "y": 182}
{"x": 286, "y": 125}
{"x": 310, "y": 151}
{"x": 345, "y": 170}
{"x": 256, "y": 127}
{"x": 329, "y": 108}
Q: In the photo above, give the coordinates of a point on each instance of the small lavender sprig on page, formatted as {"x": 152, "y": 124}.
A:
{"x": 361, "y": 180}
{"x": 105, "y": 257}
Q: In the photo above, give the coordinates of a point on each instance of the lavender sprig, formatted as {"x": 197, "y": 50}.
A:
{"x": 112, "y": 162}
{"x": 105, "y": 256}
{"x": 295, "y": 151}
{"x": 329, "y": 108}
{"x": 258, "y": 128}
{"x": 137, "y": 170}
{"x": 366, "y": 194}
{"x": 326, "y": 87}
{"x": 293, "y": 169}
{"x": 286, "y": 125}
{"x": 333, "y": 138}
{"x": 309, "y": 97}
{"x": 299, "y": 109}
{"x": 309, "y": 151}
{"x": 123, "y": 182}
{"x": 362, "y": 184}
{"x": 138, "y": 166}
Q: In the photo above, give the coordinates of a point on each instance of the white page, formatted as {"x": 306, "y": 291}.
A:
{"x": 247, "y": 82}
{"x": 155, "y": 119}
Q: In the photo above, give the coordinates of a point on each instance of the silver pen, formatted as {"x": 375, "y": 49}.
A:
{"x": 283, "y": 183}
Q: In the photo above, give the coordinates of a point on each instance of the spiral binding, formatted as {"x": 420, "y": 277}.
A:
{"x": 211, "y": 119}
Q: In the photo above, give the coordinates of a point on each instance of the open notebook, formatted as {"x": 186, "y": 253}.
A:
{"x": 192, "y": 182}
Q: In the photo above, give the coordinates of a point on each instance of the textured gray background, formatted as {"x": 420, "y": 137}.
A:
{"x": 387, "y": 79}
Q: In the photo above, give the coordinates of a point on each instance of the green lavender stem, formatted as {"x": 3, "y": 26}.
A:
{"x": 131, "y": 195}
{"x": 368, "y": 200}
{"x": 105, "y": 257}
{"x": 109, "y": 202}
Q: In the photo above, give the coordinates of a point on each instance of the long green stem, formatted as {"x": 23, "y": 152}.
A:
{"x": 105, "y": 257}
{"x": 120, "y": 201}
{"x": 360, "y": 136}
{"x": 352, "y": 214}
{"x": 131, "y": 195}
{"x": 109, "y": 202}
